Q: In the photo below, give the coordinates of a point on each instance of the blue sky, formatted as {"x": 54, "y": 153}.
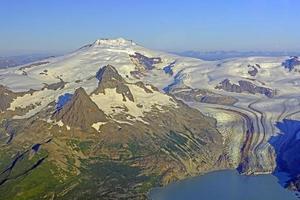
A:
{"x": 64, "y": 25}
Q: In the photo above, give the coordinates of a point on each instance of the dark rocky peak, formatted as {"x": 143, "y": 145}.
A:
{"x": 109, "y": 77}
{"x": 108, "y": 73}
{"x": 80, "y": 111}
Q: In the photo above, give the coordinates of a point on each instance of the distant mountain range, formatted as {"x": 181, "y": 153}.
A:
{"x": 12, "y": 61}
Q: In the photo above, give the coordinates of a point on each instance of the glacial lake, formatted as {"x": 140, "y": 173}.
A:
{"x": 224, "y": 185}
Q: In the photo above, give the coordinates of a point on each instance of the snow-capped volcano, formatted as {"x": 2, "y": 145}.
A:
{"x": 113, "y": 42}
{"x": 80, "y": 65}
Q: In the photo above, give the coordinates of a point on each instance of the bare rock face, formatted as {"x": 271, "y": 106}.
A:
{"x": 144, "y": 62}
{"x": 80, "y": 112}
{"x": 6, "y": 97}
{"x": 245, "y": 86}
{"x": 291, "y": 63}
{"x": 55, "y": 86}
{"x": 108, "y": 73}
{"x": 204, "y": 96}
{"x": 109, "y": 77}
{"x": 252, "y": 71}
{"x": 229, "y": 87}
{"x": 142, "y": 85}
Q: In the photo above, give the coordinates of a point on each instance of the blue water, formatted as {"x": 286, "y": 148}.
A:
{"x": 224, "y": 185}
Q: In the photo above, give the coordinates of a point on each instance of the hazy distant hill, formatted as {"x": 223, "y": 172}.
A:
{"x": 12, "y": 61}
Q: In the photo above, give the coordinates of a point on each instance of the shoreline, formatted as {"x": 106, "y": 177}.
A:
{"x": 254, "y": 174}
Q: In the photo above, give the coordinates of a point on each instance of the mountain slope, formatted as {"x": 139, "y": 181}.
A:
{"x": 118, "y": 140}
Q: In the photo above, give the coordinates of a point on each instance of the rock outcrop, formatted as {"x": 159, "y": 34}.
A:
{"x": 245, "y": 86}
{"x": 6, "y": 97}
{"x": 252, "y": 71}
{"x": 109, "y": 77}
{"x": 291, "y": 63}
{"x": 203, "y": 96}
{"x": 144, "y": 62}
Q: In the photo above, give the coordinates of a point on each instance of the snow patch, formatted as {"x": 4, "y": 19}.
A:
{"x": 59, "y": 123}
{"x": 97, "y": 125}
{"x": 111, "y": 103}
